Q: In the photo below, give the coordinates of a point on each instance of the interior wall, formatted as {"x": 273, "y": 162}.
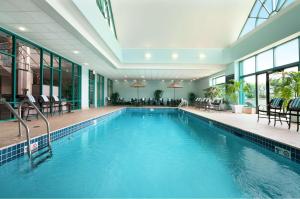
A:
{"x": 127, "y": 92}
{"x": 203, "y": 83}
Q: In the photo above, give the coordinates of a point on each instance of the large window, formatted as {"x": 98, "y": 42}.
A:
{"x": 100, "y": 90}
{"x": 6, "y": 43}
{"x": 66, "y": 92}
{"x": 265, "y": 60}
{"x": 264, "y": 71}
{"x": 26, "y": 68}
{"x": 109, "y": 87}
{"x": 250, "y": 96}
{"x": 248, "y": 66}
{"x": 91, "y": 88}
{"x": 218, "y": 80}
{"x": 287, "y": 53}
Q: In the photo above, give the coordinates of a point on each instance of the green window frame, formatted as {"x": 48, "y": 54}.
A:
{"x": 43, "y": 65}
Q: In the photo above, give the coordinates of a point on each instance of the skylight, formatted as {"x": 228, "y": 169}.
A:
{"x": 106, "y": 10}
{"x": 261, "y": 11}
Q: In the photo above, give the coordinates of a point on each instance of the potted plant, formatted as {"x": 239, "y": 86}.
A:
{"x": 158, "y": 95}
{"x": 249, "y": 92}
{"x": 232, "y": 92}
{"x": 192, "y": 97}
{"x": 115, "y": 98}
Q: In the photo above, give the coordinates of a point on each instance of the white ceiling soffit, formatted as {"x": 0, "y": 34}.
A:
{"x": 179, "y": 23}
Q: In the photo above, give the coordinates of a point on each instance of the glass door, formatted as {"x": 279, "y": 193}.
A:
{"x": 262, "y": 89}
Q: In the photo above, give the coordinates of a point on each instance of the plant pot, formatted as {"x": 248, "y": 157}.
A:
{"x": 237, "y": 108}
{"x": 249, "y": 110}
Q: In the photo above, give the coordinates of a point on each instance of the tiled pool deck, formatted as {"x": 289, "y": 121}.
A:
{"x": 9, "y": 130}
{"x": 248, "y": 122}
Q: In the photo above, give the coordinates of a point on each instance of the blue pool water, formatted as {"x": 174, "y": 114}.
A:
{"x": 153, "y": 154}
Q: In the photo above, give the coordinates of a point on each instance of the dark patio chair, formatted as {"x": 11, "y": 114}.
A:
{"x": 293, "y": 109}
{"x": 273, "y": 110}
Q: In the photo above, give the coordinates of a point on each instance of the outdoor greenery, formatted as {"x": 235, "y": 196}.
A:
{"x": 249, "y": 92}
{"x": 232, "y": 91}
{"x": 158, "y": 94}
{"x": 287, "y": 87}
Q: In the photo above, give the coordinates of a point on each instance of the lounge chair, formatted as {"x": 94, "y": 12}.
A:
{"x": 216, "y": 104}
{"x": 45, "y": 104}
{"x": 56, "y": 104}
{"x": 31, "y": 108}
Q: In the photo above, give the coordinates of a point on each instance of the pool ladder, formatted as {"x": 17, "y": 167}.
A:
{"x": 44, "y": 153}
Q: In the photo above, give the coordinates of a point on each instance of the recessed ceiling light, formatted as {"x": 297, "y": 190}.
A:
{"x": 202, "y": 56}
{"x": 148, "y": 56}
{"x": 21, "y": 28}
{"x": 174, "y": 56}
{"x": 75, "y": 51}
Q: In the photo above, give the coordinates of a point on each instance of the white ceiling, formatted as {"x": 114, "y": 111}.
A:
{"x": 51, "y": 32}
{"x": 179, "y": 23}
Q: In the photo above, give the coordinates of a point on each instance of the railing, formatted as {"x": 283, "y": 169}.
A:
{"x": 40, "y": 114}
{"x": 21, "y": 121}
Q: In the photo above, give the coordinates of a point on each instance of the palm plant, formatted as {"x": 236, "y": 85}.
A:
{"x": 232, "y": 91}
{"x": 249, "y": 91}
{"x": 286, "y": 87}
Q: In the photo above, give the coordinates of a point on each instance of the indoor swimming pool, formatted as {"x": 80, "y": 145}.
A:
{"x": 153, "y": 153}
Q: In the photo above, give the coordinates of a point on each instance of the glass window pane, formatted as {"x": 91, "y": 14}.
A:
{"x": 67, "y": 80}
{"x": 249, "y": 25}
{"x": 248, "y": 66}
{"x": 220, "y": 80}
{"x": 28, "y": 69}
{"x": 262, "y": 89}
{"x": 6, "y": 76}
{"x": 264, "y": 60}
{"x": 46, "y": 59}
{"x": 47, "y": 81}
{"x": 250, "y": 92}
{"x": 291, "y": 69}
{"x": 5, "y": 43}
{"x": 55, "y": 62}
{"x": 55, "y": 90}
{"x": 287, "y": 53}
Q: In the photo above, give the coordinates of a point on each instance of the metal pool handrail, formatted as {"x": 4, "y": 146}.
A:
{"x": 21, "y": 121}
{"x": 39, "y": 113}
